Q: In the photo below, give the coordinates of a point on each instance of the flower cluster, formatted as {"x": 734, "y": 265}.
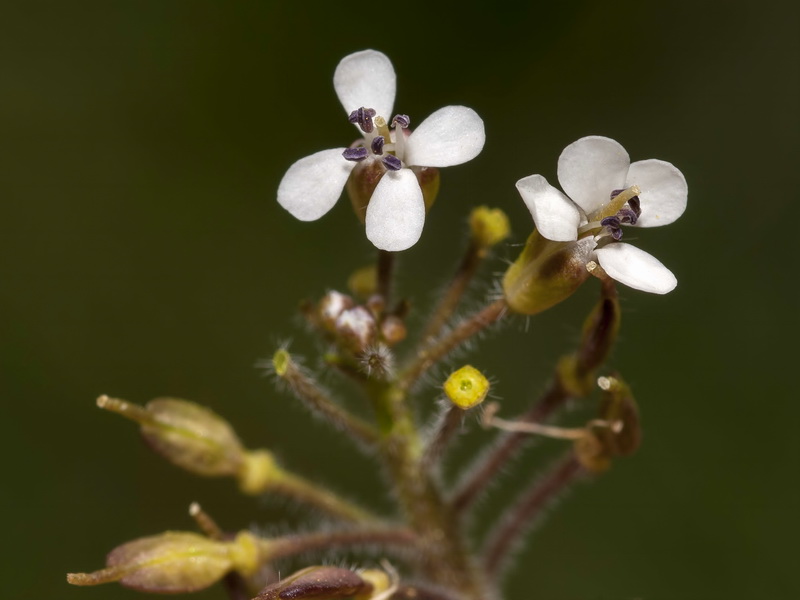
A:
{"x": 391, "y": 175}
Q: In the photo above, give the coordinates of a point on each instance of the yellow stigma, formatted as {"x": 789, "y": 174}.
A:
{"x": 466, "y": 387}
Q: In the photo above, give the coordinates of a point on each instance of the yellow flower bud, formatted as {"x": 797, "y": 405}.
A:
{"x": 489, "y": 226}
{"x": 466, "y": 387}
{"x": 364, "y": 281}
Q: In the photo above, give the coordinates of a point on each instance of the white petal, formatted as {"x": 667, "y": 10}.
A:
{"x": 313, "y": 184}
{"x": 664, "y": 191}
{"x": 636, "y": 268}
{"x": 396, "y": 211}
{"x": 590, "y": 169}
{"x": 450, "y": 136}
{"x": 366, "y": 79}
{"x": 556, "y": 216}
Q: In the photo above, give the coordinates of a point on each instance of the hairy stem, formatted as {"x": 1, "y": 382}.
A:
{"x": 300, "y": 489}
{"x": 490, "y": 465}
{"x": 307, "y": 390}
{"x": 443, "y": 558}
{"x": 463, "y": 276}
{"x": 398, "y": 538}
{"x": 528, "y": 508}
{"x": 447, "y": 427}
{"x": 428, "y": 357}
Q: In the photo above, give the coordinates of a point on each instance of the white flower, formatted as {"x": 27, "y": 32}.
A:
{"x": 605, "y": 192}
{"x": 365, "y": 85}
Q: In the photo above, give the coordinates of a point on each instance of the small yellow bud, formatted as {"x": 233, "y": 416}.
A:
{"x": 489, "y": 226}
{"x": 466, "y": 387}
{"x": 174, "y": 562}
{"x": 281, "y": 361}
{"x": 364, "y": 281}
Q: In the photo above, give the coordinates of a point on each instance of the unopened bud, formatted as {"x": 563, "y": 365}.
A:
{"x": 363, "y": 282}
{"x": 331, "y": 306}
{"x": 356, "y": 328}
{"x": 174, "y": 562}
{"x": 393, "y": 330}
{"x": 320, "y": 583}
{"x": 546, "y": 273}
{"x": 466, "y": 387}
{"x": 489, "y": 226}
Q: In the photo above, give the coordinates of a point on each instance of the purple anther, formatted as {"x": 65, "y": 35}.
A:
{"x": 614, "y": 193}
{"x": 355, "y": 154}
{"x": 401, "y": 121}
{"x": 626, "y": 215}
{"x": 391, "y": 162}
{"x": 612, "y": 222}
{"x": 363, "y": 118}
{"x": 636, "y": 206}
{"x": 616, "y": 234}
{"x": 377, "y": 145}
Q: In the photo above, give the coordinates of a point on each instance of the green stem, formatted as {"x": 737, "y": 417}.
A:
{"x": 444, "y": 557}
{"x": 302, "y": 490}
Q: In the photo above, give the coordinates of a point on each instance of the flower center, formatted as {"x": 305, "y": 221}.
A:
{"x": 377, "y": 141}
{"x": 624, "y": 208}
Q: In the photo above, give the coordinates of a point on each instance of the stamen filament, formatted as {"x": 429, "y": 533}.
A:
{"x": 616, "y": 203}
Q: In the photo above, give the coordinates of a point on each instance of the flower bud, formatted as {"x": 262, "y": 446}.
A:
{"x": 467, "y": 387}
{"x": 174, "y": 562}
{"x": 320, "y": 583}
{"x": 330, "y": 307}
{"x": 356, "y": 329}
{"x": 364, "y": 281}
{"x": 546, "y": 273}
{"x": 393, "y": 330}
{"x": 489, "y": 226}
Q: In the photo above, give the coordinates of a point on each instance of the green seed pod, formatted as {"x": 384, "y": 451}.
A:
{"x": 546, "y": 273}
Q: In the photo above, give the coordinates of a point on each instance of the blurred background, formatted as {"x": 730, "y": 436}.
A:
{"x": 143, "y": 254}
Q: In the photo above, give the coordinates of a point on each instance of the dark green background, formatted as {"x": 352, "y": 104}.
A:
{"x": 143, "y": 254}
